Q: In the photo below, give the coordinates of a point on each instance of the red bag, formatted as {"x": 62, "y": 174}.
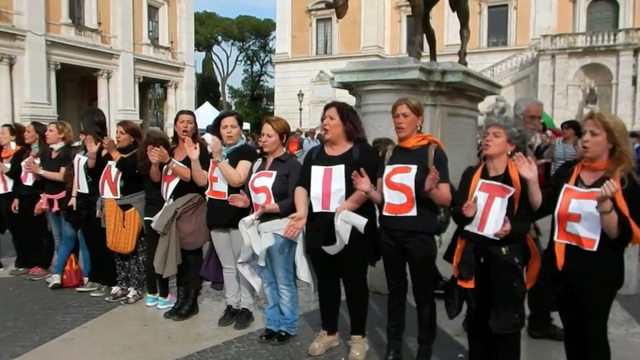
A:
{"x": 72, "y": 274}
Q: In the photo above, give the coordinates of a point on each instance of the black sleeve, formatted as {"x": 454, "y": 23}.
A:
{"x": 128, "y": 165}
{"x": 305, "y": 172}
{"x": 15, "y": 169}
{"x": 441, "y": 163}
{"x": 286, "y": 206}
{"x": 368, "y": 161}
{"x": 551, "y": 191}
{"x": 624, "y": 225}
{"x": 460, "y": 197}
{"x": 523, "y": 218}
{"x": 249, "y": 154}
{"x": 204, "y": 159}
{"x": 380, "y": 172}
{"x": 98, "y": 167}
{"x": 64, "y": 158}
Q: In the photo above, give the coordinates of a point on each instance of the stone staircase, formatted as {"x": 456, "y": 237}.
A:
{"x": 513, "y": 63}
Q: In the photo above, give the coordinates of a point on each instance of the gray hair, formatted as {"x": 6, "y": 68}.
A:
{"x": 514, "y": 130}
{"x": 522, "y": 103}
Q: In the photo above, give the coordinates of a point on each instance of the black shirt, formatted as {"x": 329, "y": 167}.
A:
{"x": 15, "y": 170}
{"x": 320, "y": 229}
{"x": 54, "y": 164}
{"x": 130, "y": 180}
{"x": 221, "y": 215}
{"x": 287, "y": 173}
{"x": 426, "y": 211}
{"x": 190, "y": 187}
{"x": 602, "y": 269}
{"x": 93, "y": 175}
{"x": 153, "y": 201}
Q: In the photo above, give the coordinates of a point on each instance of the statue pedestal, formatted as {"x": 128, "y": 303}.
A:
{"x": 449, "y": 92}
{"x": 630, "y": 285}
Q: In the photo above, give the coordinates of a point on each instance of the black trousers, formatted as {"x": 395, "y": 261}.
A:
{"x": 32, "y": 240}
{"x": 585, "y": 313}
{"x": 349, "y": 265}
{"x": 541, "y": 302}
{"x": 103, "y": 263}
{"x": 419, "y": 250}
{"x": 156, "y": 284}
{"x": 189, "y": 270}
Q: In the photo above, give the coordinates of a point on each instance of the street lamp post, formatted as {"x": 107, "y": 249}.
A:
{"x": 300, "y": 98}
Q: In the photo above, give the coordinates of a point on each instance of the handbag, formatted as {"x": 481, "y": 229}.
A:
{"x": 72, "y": 275}
{"x": 211, "y": 269}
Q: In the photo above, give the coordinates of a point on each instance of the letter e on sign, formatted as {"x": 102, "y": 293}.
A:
{"x": 577, "y": 220}
{"x": 328, "y": 188}
{"x": 399, "y": 190}
{"x": 492, "y": 201}
{"x": 218, "y": 186}
{"x": 261, "y": 188}
{"x": 109, "y": 185}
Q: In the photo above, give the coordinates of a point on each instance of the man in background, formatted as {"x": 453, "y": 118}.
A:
{"x": 310, "y": 140}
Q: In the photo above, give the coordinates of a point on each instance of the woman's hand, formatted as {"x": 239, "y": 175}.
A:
{"x": 432, "y": 180}
{"x": 470, "y": 208}
{"x": 607, "y": 191}
{"x": 72, "y": 203}
{"x": 239, "y": 200}
{"x": 91, "y": 145}
{"x": 193, "y": 149}
{"x": 109, "y": 145}
{"x": 14, "y": 206}
{"x": 38, "y": 210}
{"x": 297, "y": 221}
{"x": 160, "y": 154}
{"x": 216, "y": 147}
{"x": 33, "y": 167}
{"x": 504, "y": 230}
{"x": 527, "y": 167}
{"x": 361, "y": 181}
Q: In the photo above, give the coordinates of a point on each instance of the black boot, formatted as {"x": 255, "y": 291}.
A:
{"x": 181, "y": 296}
{"x": 190, "y": 306}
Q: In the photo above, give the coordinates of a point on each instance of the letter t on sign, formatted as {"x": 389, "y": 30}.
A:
{"x": 492, "y": 191}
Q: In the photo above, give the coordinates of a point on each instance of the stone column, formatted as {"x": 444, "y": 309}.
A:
{"x": 171, "y": 103}
{"x": 53, "y": 85}
{"x": 137, "y": 80}
{"x": 545, "y": 82}
{"x": 636, "y": 120}
{"x": 6, "y": 105}
{"x": 373, "y": 33}
{"x": 104, "y": 98}
{"x": 623, "y": 106}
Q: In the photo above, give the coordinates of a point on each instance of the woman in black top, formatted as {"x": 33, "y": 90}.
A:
{"x": 325, "y": 179}
{"x": 188, "y": 162}
{"x": 598, "y": 196}
{"x": 273, "y": 180}
{"x": 157, "y": 286}
{"x": 232, "y": 159}
{"x": 13, "y": 152}
{"x": 88, "y": 166}
{"x": 31, "y": 235}
{"x": 410, "y": 193}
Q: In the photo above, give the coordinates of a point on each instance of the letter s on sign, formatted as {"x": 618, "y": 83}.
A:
{"x": 399, "y": 190}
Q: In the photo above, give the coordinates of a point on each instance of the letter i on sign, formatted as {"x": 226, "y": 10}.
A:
{"x": 492, "y": 202}
{"x": 328, "y": 189}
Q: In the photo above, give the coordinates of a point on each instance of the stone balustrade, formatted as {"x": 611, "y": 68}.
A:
{"x": 513, "y": 62}
{"x": 593, "y": 39}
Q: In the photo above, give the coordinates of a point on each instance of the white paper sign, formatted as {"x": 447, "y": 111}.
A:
{"x": 261, "y": 188}
{"x": 79, "y": 174}
{"x": 27, "y": 177}
{"x": 109, "y": 185}
{"x": 577, "y": 219}
{"x": 492, "y": 202}
{"x": 328, "y": 188}
{"x": 169, "y": 181}
{"x": 6, "y": 183}
{"x": 399, "y": 190}
{"x": 218, "y": 186}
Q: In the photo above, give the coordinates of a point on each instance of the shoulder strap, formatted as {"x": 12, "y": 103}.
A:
{"x": 432, "y": 151}
{"x": 387, "y": 154}
{"x": 314, "y": 152}
{"x": 356, "y": 151}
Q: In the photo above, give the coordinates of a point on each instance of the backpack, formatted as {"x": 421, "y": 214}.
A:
{"x": 443, "y": 217}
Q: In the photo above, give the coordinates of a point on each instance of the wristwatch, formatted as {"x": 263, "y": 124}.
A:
{"x": 218, "y": 160}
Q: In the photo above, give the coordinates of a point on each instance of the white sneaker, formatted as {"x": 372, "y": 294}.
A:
{"x": 55, "y": 282}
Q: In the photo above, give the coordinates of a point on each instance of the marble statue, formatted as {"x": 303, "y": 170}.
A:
{"x": 420, "y": 9}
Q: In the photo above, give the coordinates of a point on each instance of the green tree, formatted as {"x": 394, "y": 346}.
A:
{"x": 226, "y": 41}
{"x": 207, "y": 85}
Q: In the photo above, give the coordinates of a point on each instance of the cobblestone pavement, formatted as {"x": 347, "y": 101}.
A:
{"x": 32, "y": 315}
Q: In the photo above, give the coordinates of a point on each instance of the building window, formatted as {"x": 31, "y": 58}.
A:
{"x": 153, "y": 24}
{"x": 602, "y": 15}
{"x": 409, "y": 33}
{"x": 324, "y": 36}
{"x": 76, "y": 12}
{"x": 498, "y": 25}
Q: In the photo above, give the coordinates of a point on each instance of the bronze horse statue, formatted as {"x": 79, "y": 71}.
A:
{"x": 420, "y": 9}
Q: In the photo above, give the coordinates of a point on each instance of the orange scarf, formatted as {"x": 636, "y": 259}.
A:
{"x": 7, "y": 153}
{"x": 534, "y": 262}
{"x": 419, "y": 140}
{"x": 618, "y": 199}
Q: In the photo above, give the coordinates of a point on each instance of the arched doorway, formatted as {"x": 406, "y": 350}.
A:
{"x": 592, "y": 75}
{"x": 603, "y": 15}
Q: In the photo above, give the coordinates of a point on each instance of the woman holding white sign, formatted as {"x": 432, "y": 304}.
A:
{"x": 273, "y": 180}
{"x": 410, "y": 191}
{"x": 494, "y": 247}
{"x": 228, "y": 173}
{"x": 595, "y": 211}
{"x": 325, "y": 190}
{"x": 122, "y": 199}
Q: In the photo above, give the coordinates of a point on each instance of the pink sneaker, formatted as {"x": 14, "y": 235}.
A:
{"x": 38, "y": 273}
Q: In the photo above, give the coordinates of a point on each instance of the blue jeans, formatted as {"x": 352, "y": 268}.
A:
{"x": 65, "y": 237}
{"x": 279, "y": 277}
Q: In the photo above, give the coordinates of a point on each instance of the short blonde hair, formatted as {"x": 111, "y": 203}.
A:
{"x": 65, "y": 131}
{"x": 414, "y": 105}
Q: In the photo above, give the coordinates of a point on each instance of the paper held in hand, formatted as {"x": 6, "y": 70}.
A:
{"x": 492, "y": 199}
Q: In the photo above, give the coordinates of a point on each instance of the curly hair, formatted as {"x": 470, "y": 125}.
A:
{"x": 351, "y": 122}
{"x": 499, "y": 116}
{"x": 156, "y": 138}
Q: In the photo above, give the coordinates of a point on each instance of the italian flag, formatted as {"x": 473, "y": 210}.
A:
{"x": 550, "y": 124}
